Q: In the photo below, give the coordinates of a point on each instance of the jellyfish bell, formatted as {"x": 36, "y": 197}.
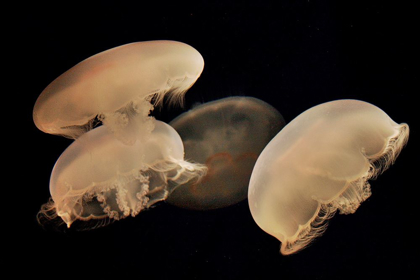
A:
{"x": 99, "y": 177}
{"x": 320, "y": 163}
{"x": 227, "y": 135}
{"x": 116, "y": 86}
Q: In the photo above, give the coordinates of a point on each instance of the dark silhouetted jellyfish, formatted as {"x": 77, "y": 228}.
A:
{"x": 132, "y": 161}
{"x": 227, "y": 135}
{"x": 320, "y": 163}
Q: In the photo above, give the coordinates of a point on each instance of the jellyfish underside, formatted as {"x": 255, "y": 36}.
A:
{"x": 318, "y": 164}
{"x": 98, "y": 176}
{"x": 226, "y": 135}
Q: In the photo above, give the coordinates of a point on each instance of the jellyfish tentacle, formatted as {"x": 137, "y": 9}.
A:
{"x": 307, "y": 233}
{"x": 382, "y": 161}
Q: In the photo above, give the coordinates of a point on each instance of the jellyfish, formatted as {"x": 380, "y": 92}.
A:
{"x": 318, "y": 164}
{"x": 116, "y": 87}
{"x": 132, "y": 160}
{"x": 99, "y": 177}
{"x": 226, "y": 135}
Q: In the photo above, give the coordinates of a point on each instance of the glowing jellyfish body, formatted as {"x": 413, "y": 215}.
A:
{"x": 116, "y": 85}
{"x": 133, "y": 160}
{"x": 319, "y": 163}
{"x": 98, "y": 176}
{"x": 227, "y": 135}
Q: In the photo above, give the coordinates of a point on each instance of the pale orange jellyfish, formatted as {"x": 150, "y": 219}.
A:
{"x": 99, "y": 176}
{"x": 227, "y": 135}
{"x": 133, "y": 161}
{"x": 117, "y": 86}
{"x": 320, "y": 163}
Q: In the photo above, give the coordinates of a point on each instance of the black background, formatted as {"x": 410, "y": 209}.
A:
{"x": 291, "y": 54}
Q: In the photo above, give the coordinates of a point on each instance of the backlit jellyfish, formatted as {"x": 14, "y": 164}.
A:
{"x": 227, "y": 135}
{"x": 133, "y": 160}
{"x": 116, "y": 87}
{"x": 99, "y": 176}
{"x": 320, "y": 163}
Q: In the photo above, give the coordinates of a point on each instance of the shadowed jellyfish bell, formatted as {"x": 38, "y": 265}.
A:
{"x": 318, "y": 164}
{"x": 133, "y": 161}
{"x": 98, "y": 176}
{"x": 227, "y": 135}
{"x": 117, "y": 86}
